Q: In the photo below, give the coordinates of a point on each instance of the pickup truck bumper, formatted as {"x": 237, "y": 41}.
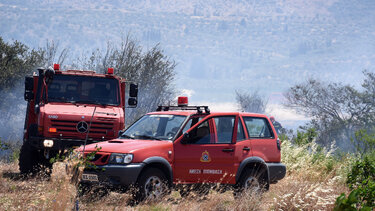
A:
{"x": 115, "y": 176}
{"x": 277, "y": 171}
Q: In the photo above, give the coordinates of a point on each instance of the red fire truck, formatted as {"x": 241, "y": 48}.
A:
{"x": 66, "y": 109}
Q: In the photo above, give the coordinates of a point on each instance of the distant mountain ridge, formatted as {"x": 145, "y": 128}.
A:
{"x": 219, "y": 46}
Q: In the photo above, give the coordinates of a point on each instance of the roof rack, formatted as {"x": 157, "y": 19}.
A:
{"x": 199, "y": 109}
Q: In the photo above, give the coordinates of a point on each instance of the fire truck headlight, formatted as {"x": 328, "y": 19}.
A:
{"x": 48, "y": 143}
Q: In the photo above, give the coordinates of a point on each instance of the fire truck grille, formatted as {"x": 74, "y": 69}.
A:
{"x": 68, "y": 126}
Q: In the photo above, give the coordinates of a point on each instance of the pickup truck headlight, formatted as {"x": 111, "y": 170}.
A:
{"x": 117, "y": 158}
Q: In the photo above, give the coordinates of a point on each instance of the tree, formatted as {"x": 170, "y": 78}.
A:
{"x": 17, "y": 61}
{"x": 251, "y": 102}
{"x": 152, "y": 70}
{"x": 337, "y": 110}
{"x": 49, "y": 54}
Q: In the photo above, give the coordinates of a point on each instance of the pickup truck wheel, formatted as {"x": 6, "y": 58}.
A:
{"x": 151, "y": 186}
{"x": 251, "y": 181}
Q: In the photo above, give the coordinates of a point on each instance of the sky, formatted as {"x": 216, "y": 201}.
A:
{"x": 219, "y": 46}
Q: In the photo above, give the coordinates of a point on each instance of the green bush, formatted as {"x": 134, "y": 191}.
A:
{"x": 361, "y": 182}
{"x": 362, "y": 179}
{"x": 304, "y": 138}
{"x": 364, "y": 141}
{"x": 349, "y": 203}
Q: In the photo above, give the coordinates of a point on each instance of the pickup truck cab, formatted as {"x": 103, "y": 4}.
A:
{"x": 179, "y": 146}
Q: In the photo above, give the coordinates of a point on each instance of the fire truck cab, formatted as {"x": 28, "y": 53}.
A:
{"x": 66, "y": 109}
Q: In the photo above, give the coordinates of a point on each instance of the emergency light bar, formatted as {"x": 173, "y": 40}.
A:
{"x": 183, "y": 105}
{"x": 182, "y": 101}
{"x": 56, "y": 66}
{"x": 199, "y": 109}
{"x": 110, "y": 71}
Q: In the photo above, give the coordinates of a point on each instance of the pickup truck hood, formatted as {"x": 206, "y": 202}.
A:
{"x": 127, "y": 145}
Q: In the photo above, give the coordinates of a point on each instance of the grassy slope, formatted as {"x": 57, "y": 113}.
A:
{"x": 313, "y": 182}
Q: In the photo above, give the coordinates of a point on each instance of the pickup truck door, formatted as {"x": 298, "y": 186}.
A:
{"x": 208, "y": 154}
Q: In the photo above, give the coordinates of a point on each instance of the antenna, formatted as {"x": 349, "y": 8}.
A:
{"x": 88, "y": 131}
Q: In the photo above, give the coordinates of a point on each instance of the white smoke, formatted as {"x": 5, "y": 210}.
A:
{"x": 12, "y": 114}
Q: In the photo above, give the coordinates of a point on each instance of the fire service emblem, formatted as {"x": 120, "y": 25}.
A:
{"x": 205, "y": 157}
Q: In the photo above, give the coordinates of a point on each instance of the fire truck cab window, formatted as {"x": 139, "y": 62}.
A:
{"x": 83, "y": 89}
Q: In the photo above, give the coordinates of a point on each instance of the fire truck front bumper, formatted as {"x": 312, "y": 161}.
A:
{"x": 56, "y": 143}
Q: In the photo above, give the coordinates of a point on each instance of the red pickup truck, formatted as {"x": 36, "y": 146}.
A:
{"x": 179, "y": 146}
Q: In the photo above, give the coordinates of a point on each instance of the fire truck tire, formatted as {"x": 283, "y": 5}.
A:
{"x": 152, "y": 185}
{"x": 29, "y": 159}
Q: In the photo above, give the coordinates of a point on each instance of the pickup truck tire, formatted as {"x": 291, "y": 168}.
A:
{"x": 251, "y": 181}
{"x": 152, "y": 185}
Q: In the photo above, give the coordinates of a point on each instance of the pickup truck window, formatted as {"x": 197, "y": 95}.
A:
{"x": 200, "y": 134}
{"x": 155, "y": 127}
{"x": 258, "y": 127}
{"x": 224, "y": 129}
{"x": 240, "y": 132}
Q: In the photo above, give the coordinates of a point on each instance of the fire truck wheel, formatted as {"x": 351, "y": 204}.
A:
{"x": 29, "y": 159}
{"x": 152, "y": 185}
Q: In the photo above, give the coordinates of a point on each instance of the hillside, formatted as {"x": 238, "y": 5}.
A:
{"x": 233, "y": 44}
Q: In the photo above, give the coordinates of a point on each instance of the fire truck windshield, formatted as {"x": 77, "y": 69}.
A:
{"x": 155, "y": 127}
{"x": 84, "y": 89}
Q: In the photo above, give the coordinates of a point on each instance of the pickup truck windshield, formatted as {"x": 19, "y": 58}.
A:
{"x": 84, "y": 89}
{"x": 155, "y": 127}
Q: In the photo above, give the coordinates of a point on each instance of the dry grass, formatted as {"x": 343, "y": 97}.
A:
{"x": 306, "y": 187}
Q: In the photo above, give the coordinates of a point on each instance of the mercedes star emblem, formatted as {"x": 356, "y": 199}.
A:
{"x": 82, "y": 127}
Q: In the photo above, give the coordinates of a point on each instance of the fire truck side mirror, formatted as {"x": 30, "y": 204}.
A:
{"x": 49, "y": 73}
{"x": 29, "y": 86}
{"x": 133, "y": 91}
{"x": 132, "y": 101}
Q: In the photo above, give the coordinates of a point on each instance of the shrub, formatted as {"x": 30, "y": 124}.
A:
{"x": 362, "y": 179}
{"x": 304, "y": 138}
{"x": 361, "y": 182}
